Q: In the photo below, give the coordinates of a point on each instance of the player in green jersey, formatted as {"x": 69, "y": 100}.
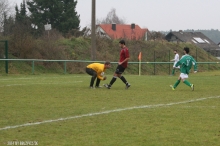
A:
{"x": 186, "y": 63}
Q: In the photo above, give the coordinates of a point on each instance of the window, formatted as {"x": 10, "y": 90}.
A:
{"x": 199, "y": 40}
{"x": 206, "y": 41}
{"x": 194, "y": 41}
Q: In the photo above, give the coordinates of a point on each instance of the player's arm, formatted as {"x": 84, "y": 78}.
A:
{"x": 175, "y": 58}
{"x": 99, "y": 75}
{"x": 178, "y": 63}
{"x": 124, "y": 60}
{"x": 194, "y": 64}
{"x": 127, "y": 57}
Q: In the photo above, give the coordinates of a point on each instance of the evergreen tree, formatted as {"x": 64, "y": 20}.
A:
{"x": 4, "y": 10}
{"x": 60, "y": 14}
{"x": 8, "y": 25}
{"x": 17, "y": 14}
{"x": 22, "y": 20}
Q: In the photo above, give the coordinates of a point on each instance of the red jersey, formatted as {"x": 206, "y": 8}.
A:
{"x": 123, "y": 55}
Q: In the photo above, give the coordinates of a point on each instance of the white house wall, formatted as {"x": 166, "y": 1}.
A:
{"x": 146, "y": 36}
{"x": 101, "y": 32}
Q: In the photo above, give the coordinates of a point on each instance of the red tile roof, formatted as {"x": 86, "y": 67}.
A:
{"x": 123, "y": 31}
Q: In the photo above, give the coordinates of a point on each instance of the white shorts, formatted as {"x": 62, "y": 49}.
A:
{"x": 175, "y": 64}
{"x": 183, "y": 76}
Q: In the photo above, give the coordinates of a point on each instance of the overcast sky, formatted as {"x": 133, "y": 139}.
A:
{"x": 157, "y": 15}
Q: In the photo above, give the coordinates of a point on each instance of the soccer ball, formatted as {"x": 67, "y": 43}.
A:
{"x": 102, "y": 74}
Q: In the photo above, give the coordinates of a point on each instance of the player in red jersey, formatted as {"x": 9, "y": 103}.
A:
{"x": 122, "y": 65}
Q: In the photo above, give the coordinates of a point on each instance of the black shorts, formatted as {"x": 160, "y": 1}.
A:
{"x": 91, "y": 72}
{"x": 120, "y": 69}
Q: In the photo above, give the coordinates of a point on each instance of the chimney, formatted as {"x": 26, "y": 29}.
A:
{"x": 181, "y": 31}
{"x": 132, "y": 26}
{"x": 114, "y": 26}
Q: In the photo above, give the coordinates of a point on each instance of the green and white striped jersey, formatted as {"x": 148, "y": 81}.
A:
{"x": 186, "y": 63}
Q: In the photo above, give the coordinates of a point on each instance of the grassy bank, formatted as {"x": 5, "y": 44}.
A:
{"x": 79, "y": 49}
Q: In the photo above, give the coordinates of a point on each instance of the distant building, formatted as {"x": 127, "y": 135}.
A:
{"x": 196, "y": 38}
{"x": 121, "y": 31}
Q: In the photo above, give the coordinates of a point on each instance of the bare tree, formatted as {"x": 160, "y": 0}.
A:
{"x": 156, "y": 35}
{"x": 4, "y": 10}
{"x": 111, "y": 18}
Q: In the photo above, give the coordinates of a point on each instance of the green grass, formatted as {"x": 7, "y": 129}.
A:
{"x": 38, "y": 98}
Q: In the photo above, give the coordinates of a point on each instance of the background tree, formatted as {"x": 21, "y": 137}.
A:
{"x": 21, "y": 37}
{"x": 111, "y": 18}
{"x": 61, "y": 14}
{"x": 156, "y": 35}
{"x": 4, "y": 11}
{"x": 8, "y": 25}
{"x": 22, "y": 19}
{"x": 21, "y": 14}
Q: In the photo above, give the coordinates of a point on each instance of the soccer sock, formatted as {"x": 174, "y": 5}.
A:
{"x": 112, "y": 81}
{"x": 123, "y": 79}
{"x": 173, "y": 71}
{"x": 176, "y": 84}
{"x": 187, "y": 83}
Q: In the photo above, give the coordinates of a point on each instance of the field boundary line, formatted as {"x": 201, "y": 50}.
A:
{"x": 108, "y": 112}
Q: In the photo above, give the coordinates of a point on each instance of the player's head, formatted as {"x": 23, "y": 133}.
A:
{"x": 122, "y": 43}
{"x": 174, "y": 51}
{"x": 186, "y": 50}
{"x": 107, "y": 64}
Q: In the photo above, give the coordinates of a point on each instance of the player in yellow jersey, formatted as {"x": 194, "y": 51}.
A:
{"x": 96, "y": 70}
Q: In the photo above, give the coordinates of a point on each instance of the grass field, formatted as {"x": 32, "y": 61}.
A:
{"x": 56, "y": 110}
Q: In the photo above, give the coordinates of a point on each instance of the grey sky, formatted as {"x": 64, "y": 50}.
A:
{"x": 155, "y": 14}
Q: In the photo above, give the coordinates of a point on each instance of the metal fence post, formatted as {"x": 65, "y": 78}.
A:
{"x": 196, "y": 54}
{"x": 169, "y": 61}
{"x": 33, "y": 67}
{"x": 65, "y": 67}
{"x": 208, "y": 60}
{"x": 154, "y": 63}
{"x": 6, "y": 57}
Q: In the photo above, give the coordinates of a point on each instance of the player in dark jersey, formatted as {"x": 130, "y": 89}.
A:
{"x": 122, "y": 65}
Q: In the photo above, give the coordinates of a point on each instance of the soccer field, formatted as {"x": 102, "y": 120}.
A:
{"x": 56, "y": 110}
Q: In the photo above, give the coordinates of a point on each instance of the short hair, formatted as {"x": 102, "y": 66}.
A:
{"x": 186, "y": 49}
{"x": 122, "y": 42}
{"x": 175, "y": 50}
{"x": 107, "y": 62}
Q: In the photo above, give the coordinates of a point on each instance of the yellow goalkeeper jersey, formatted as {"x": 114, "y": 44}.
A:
{"x": 99, "y": 68}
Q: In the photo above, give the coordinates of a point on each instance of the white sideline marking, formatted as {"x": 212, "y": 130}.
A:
{"x": 12, "y": 85}
{"x": 107, "y": 112}
{"x": 16, "y": 79}
{"x": 199, "y": 107}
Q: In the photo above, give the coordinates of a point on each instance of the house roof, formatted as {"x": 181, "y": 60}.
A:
{"x": 123, "y": 31}
{"x": 197, "y": 38}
